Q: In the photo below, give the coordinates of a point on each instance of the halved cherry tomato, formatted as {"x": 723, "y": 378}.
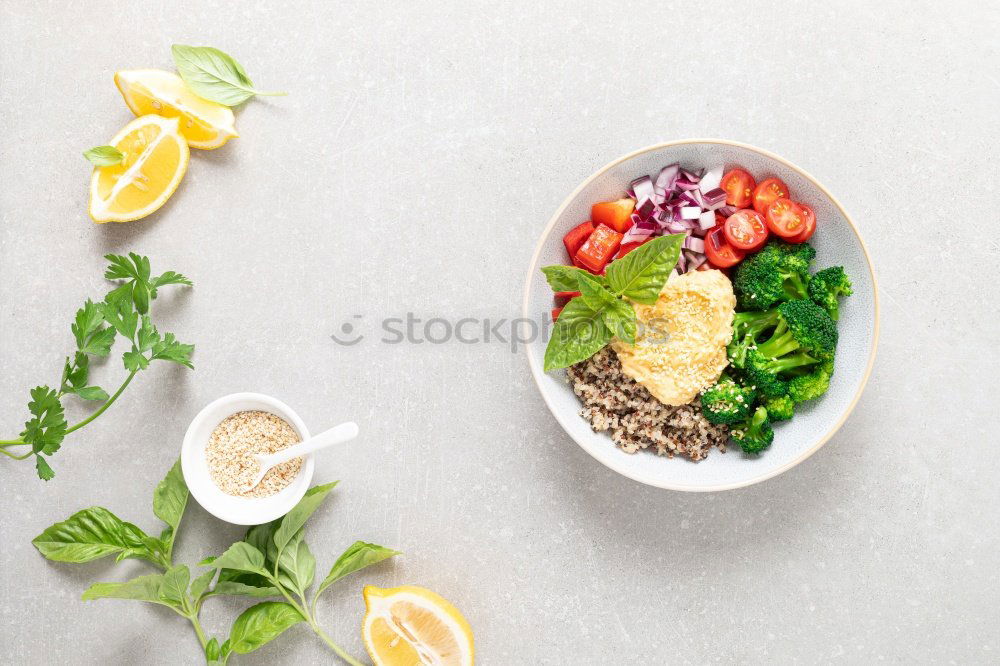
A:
{"x": 577, "y": 236}
{"x": 766, "y": 192}
{"x": 615, "y": 214}
{"x": 567, "y": 294}
{"x": 738, "y": 185}
{"x": 628, "y": 247}
{"x": 745, "y": 230}
{"x": 598, "y": 249}
{"x": 555, "y": 313}
{"x": 810, "y": 221}
{"x": 719, "y": 251}
{"x": 785, "y": 218}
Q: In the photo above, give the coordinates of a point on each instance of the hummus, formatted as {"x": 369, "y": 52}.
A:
{"x": 681, "y": 340}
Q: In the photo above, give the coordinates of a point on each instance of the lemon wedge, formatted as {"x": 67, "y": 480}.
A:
{"x": 204, "y": 124}
{"x": 155, "y": 159}
{"x": 410, "y": 625}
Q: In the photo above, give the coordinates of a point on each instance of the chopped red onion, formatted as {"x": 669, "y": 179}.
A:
{"x": 695, "y": 260}
{"x": 681, "y": 263}
{"x": 706, "y": 220}
{"x": 676, "y": 227}
{"x": 667, "y": 177}
{"x": 710, "y": 180}
{"x": 645, "y": 208}
{"x": 684, "y": 183}
{"x": 643, "y": 188}
{"x": 714, "y": 199}
{"x": 640, "y": 231}
{"x": 694, "y": 244}
{"x": 726, "y": 211}
{"x": 690, "y": 212}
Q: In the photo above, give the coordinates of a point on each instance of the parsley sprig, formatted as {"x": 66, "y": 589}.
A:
{"x": 124, "y": 312}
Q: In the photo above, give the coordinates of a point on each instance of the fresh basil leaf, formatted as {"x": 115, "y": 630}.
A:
{"x": 214, "y": 75}
{"x": 170, "y": 498}
{"x": 641, "y": 274}
{"x": 235, "y": 588}
{"x": 212, "y": 651}
{"x": 164, "y": 589}
{"x": 200, "y": 584}
{"x": 563, "y": 278}
{"x": 91, "y": 534}
{"x": 103, "y": 155}
{"x": 620, "y": 318}
{"x": 357, "y": 556}
{"x": 260, "y": 624}
{"x": 593, "y": 292}
{"x": 241, "y": 556}
{"x": 296, "y": 564}
{"x": 297, "y": 517}
{"x": 173, "y": 591}
{"x": 579, "y": 333}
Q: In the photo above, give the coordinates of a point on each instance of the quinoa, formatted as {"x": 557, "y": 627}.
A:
{"x": 616, "y": 402}
{"x": 231, "y": 444}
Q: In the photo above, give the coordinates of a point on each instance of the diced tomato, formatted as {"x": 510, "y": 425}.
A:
{"x": 625, "y": 248}
{"x": 555, "y": 313}
{"x": 719, "y": 251}
{"x": 785, "y": 218}
{"x": 598, "y": 249}
{"x": 615, "y": 214}
{"x": 766, "y": 192}
{"x": 567, "y": 294}
{"x": 577, "y": 236}
{"x": 745, "y": 230}
{"x": 739, "y": 186}
{"x": 810, "y": 222}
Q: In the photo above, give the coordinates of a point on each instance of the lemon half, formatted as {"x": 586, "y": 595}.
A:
{"x": 410, "y": 625}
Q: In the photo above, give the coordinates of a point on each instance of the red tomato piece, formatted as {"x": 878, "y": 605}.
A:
{"x": 625, "y": 248}
{"x": 598, "y": 249}
{"x": 577, "y": 236}
{"x": 739, "y": 186}
{"x": 766, "y": 192}
{"x": 719, "y": 251}
{"x": 785, "y": 218}
{"x": 615, "y": 214}
{"x": 810, "y": 221}
{"x": 745, "y": 230}
{"x": 567, "y": 294}
{"x": 555, "y": 313}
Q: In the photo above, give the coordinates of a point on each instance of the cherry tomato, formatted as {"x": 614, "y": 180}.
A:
{"x": 785, "y": 218}
{"x": 719, "y": 251}
{"x": 598, "y": 249}
{"x": 745, "y": 230}
{"x": 766, "y": 192}
{"x": 577, "y": 236}
{"x": 567, "y": 294}
{"x": 615, "y": 214}
{"x": 810, "y": 222}
{"x": 555, "y": 313}
{"x": 625, "y": 248}
{"x": 739, "y": 186}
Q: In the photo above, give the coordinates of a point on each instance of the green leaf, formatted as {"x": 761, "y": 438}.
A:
{"x": 579, "y": 333}
{"x": 170, "y": 277}
{"x": 235, "y": 588}
{"x": 75, "y": 374}
{"x": 91, "y": 534}
{"x": 164, "y": 589}
{"x": 120, "y": 315}
{"x": 260, "y": 624}
{"x": 593, "y": 292}
{"x": 297, "y": 517}
{"x": 641, "y": 274}
{"x": 214, "y": 75}
{"x": 200, "y": 584}
{"x": 241, "y": 556}
{"x": 140, "y": 296}
{"x": 170, "y": 498}
{"x": 93, "y": 393}
{"x": 99, "y": 344}
{"x": 173, "y": 591}
{"x": 46, "y": 429}
{"x": 563, "y": 278}
{"x": 169, "y": 349}
{"x": 296, "y": 564}
{"x": 120, "y": 268}
{"x": 358, "y": 556}
{"x": 212, "y": 651}
{"x": 45, "y": 473}
{"x": 103, "y": 155}
{"x": 134, "y": 360}
{"x": 620, "y": 318}
{"x": 87, "y": 322}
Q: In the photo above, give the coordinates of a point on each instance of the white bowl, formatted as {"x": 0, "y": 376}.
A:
{"x": 232, "y": 509}
{"x": 837, "y": 242}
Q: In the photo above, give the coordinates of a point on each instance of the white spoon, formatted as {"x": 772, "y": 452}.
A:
{"x": 345, "y": 432}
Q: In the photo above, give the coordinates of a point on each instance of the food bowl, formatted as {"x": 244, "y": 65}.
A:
{"x": 232, "y": 509}
{"x": 837, "y": 242}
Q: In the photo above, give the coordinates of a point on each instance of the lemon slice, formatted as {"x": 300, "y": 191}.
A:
{"x": 204, "y": 124}
{"x": 410, "y": 625}
{"x": 155, "y": 159}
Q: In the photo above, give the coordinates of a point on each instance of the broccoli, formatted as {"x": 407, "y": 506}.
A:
{"x": 748, "y": 327}
{"x": 779, "y": 272}
{"x": 727, "y": 402}
{"x": 780, "y": 408}
{"x": 754, "y": 434}
{"x": 812, "y": 385}
{"x": 826, "y": 285}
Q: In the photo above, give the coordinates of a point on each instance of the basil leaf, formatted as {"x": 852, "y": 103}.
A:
{"x": 296, "y": 564}
{"x": 200, "y": 584}
{"x": 170, "y": 498}
{"x": 103, "y": 155}
{"x": 579, "y": 333}
{"x": 236, "y": 588}
{"x": 214, "y": 75}
{"x": 297, "y": 517}
{"x": 167, "y": 589}
{"x": 91, "y": 534}
{"x": 242, "y": 557}
{"x": 641, "y": 274}
{"x": 563, "y": 278}
{"x": 260, "y": 624}
{"x": 593, "y": 292}
{"x": 357, "y": 556}
{"x": 620, "y": 318}
{"x": 173, "y": 591}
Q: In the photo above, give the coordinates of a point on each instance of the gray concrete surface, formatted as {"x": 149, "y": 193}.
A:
{"x": 419, "y": 154}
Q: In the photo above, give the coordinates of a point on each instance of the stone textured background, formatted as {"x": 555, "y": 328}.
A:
{"x": 412, "y": 167}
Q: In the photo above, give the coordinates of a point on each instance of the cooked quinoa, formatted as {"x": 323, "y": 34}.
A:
{"x": 613, "y": 401}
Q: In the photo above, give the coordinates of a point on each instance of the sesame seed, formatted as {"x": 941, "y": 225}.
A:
{"x": 232, "y": 443}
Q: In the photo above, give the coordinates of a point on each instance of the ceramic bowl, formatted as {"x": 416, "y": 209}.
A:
{"x": 837, "y": 242}
{"x": 232, "y": 509}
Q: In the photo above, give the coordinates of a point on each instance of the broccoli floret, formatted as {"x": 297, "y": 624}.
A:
{"x": 748, "y": 328}
{"x": 754, "y": 434}
{"x": 780, "y": 408}
{"x": 779, "y": 272}
{"x": 812, "y": 385}
{"x": 727, "y": 402}
{"x": 826, "y": 286}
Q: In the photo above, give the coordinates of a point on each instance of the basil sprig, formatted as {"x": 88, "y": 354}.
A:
{"x": 214, "y": 75}
{"x": 588, "y": 322}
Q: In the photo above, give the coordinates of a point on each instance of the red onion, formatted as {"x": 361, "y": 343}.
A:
{"x": 690, "y": 212}
{"x": 710, "y": 180}
{"x": 694, "y": 244}
{"x": 642, "y": 187}
{"x": 726, "y": 211}
{"x": 706, "y": 220}
{"x": 667, "y": 177}
{"x": 714, "y": 199}
{"x": 645, "y": 208}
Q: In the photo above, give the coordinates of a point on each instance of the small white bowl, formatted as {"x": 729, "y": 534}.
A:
{"x": 232, "y": 509}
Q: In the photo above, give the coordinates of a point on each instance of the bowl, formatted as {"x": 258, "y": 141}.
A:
{"x": 837, "y": 242}
{"x": 232, "y": 509}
